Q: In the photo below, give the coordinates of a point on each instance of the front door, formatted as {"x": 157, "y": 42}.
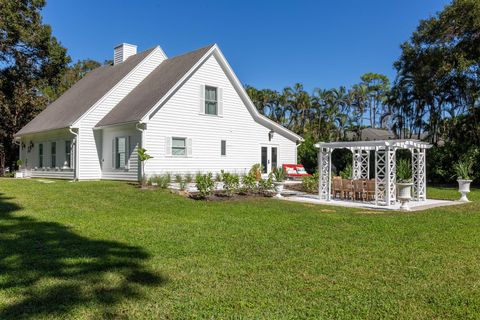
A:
{"x": 269, "y": 158}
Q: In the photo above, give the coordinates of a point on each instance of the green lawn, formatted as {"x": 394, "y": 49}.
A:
{"x": 109, "y": 250}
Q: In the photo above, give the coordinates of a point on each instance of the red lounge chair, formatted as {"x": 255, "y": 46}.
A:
{"x": 295, "y": 171}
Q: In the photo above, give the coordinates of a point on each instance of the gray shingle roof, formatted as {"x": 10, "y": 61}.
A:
{"x": 69, "y": 107}
{"x": 153, "y": 88}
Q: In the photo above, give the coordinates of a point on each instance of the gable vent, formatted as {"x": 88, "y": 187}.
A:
{"x": 122, "y": 52}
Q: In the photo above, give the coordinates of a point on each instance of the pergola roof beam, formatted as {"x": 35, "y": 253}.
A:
{"x": 370, "y": 145}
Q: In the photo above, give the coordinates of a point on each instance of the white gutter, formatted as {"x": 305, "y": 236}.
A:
{"x": 75, "y": 160}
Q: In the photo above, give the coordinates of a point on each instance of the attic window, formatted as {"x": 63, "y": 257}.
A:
{"x": 211, "y": 100}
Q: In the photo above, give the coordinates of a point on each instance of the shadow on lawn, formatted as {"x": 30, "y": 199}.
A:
{"x": 49, "y": 270}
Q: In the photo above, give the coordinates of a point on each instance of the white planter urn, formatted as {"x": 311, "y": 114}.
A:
{"x": 219, "y": 185}
{"x": 404, "y": 194}
{"x": 464, "y": 188}
{"x": 279, "y": 188}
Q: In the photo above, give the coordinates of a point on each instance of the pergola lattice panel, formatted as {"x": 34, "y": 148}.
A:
{"x": 419, "y": 174}
{"x": 325, "y": 166}
{"x": 392, "y": 176}
{"x": 361, "y": 160}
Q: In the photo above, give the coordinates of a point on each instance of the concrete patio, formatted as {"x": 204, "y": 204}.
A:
{"x": 414, "y": 205}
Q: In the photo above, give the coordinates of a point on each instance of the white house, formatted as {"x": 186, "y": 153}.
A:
{"x": 190, "y": 112}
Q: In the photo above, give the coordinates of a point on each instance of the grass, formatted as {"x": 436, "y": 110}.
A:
{"x": 109, "y": 250}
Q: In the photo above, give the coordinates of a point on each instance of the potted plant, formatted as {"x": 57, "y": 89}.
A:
{"x": 19, "y": 173}
{"x": 219, "y": 180}
{"x": 404, "y": 183}
{"x": 463, "y": 171}
{"x": 347, "y": 173}
{"x": 279, "y": 175}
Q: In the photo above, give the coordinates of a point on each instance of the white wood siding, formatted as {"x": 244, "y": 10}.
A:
{"x": 90, "y": 146}
{"x": 108, "y": 167}
{"x": 180, "y": 117}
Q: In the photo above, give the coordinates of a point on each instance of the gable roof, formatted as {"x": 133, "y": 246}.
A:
{"x": 153, "y": 88}
{"x": 149, "y": 95}
{"x": 77, "y": 100}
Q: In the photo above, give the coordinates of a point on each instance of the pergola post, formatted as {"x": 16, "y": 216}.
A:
{"x": 380, "y": 173}
{"x": 391, "y": 195}
{"x": 419, "y": 174}
{"x": 361, "y": 164}
{"x": 325, "y": 166}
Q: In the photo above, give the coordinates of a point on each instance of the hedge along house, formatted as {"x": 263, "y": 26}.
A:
{"x": 190, "y": 112}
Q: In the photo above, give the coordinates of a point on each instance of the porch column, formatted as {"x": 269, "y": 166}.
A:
{"x": 325, "y": 168}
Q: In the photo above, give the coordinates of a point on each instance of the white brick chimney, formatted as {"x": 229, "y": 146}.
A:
{"x": 123, "y": 51}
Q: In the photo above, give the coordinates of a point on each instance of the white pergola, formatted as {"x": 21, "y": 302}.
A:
{"x": 385, "y": 166}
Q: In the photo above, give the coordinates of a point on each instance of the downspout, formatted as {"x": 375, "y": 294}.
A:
{"x": 297, "y": 144}
{"x": 75, "y": 160}
{"x": 140, "y": 145}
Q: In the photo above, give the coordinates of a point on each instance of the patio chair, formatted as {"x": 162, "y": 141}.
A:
{"x": 347, "y": 188}
{"x": 359, "y": 189}
{"x": 337, "y": 187}
{"x": 370, "y": 190}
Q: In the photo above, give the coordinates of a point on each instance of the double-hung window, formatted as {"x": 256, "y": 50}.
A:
{"x": 53, "y": 154}
{"x": 120, "y": 152}
{"x": 68, "y": 152}
{"x": 179, "y": 147}
{"x": 40, "y": 155}
{"x": 211, "y": 100}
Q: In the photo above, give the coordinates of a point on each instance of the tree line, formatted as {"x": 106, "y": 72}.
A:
{"x": 435, "y": 94}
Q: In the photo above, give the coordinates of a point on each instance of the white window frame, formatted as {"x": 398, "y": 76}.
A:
{"x": 207, "y": 87}
{"x": 41, "y": 155}
{"x": 115, "y": 154}
{"x": 184, "y": 147}
{"x": 53, "y": 156}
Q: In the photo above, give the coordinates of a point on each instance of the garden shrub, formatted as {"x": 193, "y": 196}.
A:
{"x": 347, "y": 173}
{"x": 256, "y": 171}
{"x": 249, "y": 183}
{"x": 219, "y": 176}
{"x": 266, "y": 185}
{"x": 205, "y": 184}
{"x": 310, "y": 183}
{"x": 162, "y": 181}
{"x": 231, "y": 183}
{"x": 178, "y": 178}
{"x": 188, "y": 178}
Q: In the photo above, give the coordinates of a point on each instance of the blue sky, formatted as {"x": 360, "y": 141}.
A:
{"x": 270, "y": 44}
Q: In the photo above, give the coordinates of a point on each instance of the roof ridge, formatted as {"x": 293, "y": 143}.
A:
{"x": 82, "y": 95}
{"x": 153, "y": 88}
{"x": 191, "y": 52}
